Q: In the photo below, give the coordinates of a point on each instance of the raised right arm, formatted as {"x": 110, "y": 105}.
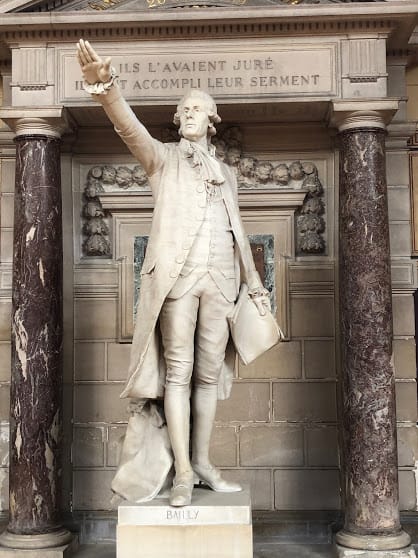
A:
{"x": 98, "y": 74}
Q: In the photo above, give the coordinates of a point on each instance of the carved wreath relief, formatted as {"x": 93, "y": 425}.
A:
{"x": 251, "y": 172}
{"x": 105, "y": 178}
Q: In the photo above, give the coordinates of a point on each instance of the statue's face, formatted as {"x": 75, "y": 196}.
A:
{"x": 194, "y": 119}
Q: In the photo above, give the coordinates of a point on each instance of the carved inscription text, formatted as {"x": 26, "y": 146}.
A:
{"x": 242, "y": 74}
{"x": 184, "y": 514}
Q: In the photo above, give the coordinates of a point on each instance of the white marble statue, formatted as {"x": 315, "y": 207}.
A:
{"x": 197, "y": 256}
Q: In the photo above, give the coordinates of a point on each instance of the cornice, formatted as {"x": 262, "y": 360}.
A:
{"x": 224, "y": 22}
{"x": 67, "y": 5}
{"x": 396, "y": 19}
{"x": 9, "y": 5}
{"x": 368, "y": 15}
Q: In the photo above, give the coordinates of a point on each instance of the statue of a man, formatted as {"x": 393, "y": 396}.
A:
{"x": 197, "y": 256}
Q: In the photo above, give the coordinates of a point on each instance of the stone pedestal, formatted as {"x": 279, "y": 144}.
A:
{"x": 214, "y": 526}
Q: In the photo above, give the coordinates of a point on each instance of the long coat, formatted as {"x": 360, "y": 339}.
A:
{"x": 180, "y": 201}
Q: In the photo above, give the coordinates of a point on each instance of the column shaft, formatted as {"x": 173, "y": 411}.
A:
{"x": 36, "y": 382}
{"x": 369, "y": 414}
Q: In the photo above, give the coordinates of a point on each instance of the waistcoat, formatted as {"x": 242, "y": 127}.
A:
{"x": 212, "y": 252}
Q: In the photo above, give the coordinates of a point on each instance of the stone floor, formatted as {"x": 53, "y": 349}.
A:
{"x": 260, "y": 551}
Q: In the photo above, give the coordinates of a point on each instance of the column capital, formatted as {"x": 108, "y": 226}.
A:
{"x": 48, "y": 121}
{"x": 349, "y": 115}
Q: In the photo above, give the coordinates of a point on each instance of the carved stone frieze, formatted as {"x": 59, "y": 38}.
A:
{"x": 105, "y": 178}
{"x": 252, "y": 174}
{"x": 95, "y": 229}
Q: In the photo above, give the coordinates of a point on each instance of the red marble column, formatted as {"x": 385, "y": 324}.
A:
{"x": 36, "y": 379}
{"x": 368, "y": 382}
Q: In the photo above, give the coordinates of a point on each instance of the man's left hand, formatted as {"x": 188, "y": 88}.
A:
{"x": 261, "y": 300}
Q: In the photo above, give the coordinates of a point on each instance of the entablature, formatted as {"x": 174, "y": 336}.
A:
{"x": 288, "y": 19}
{"x": 134, "y": 5}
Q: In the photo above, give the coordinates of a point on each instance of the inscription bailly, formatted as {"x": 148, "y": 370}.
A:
{"x": 234, "y": 74}
{"x": 184, "y": 514}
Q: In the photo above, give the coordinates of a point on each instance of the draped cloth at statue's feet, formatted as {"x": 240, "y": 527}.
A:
{"x": 145, "y": 465}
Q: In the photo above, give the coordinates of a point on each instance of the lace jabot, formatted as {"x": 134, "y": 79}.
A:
{"x": 210, "y": 168}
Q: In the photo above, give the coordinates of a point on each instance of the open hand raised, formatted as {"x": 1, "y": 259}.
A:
{"x": 93, "y": 67}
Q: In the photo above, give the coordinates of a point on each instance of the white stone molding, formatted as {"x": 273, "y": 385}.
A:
{"x": 33, "y": 74}
{"x": 349, "y": 115}
{"x": 30, "y": 68}
{"x": 52, "y": 122}
{"x": 364, "y": 71}
{"x": 289, "y": 199}
{"x": 400, "y": 133}
{"x": 365, "y": 59}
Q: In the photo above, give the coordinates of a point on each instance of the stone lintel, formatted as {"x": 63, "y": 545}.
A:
{"x": 46, "y": 121}
{"x": 128, "y": 201}
{"x": 352, "y": 114}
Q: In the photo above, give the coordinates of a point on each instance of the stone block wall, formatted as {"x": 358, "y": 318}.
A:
{"x": 412, "y": 88}
{"x": 404, "y": 283}
{"x": 277, "y": 432}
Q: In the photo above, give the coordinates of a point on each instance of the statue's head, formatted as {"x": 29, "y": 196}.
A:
{"x": 196, "y": 115}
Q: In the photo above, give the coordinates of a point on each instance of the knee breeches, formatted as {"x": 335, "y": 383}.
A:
{"x": 195, "y": 333}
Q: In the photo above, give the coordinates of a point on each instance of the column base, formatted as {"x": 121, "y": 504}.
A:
{"x": 348, "y": 540}
{"x": 344, "y": 552}
{"x": 39, "y": 544}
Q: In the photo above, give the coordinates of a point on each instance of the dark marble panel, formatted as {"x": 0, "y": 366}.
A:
{"x": 140, "y": 247}
{"x": 370, "y": 460}
{"x": 262, "y": 247}
{"x": 35, "y": 468}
